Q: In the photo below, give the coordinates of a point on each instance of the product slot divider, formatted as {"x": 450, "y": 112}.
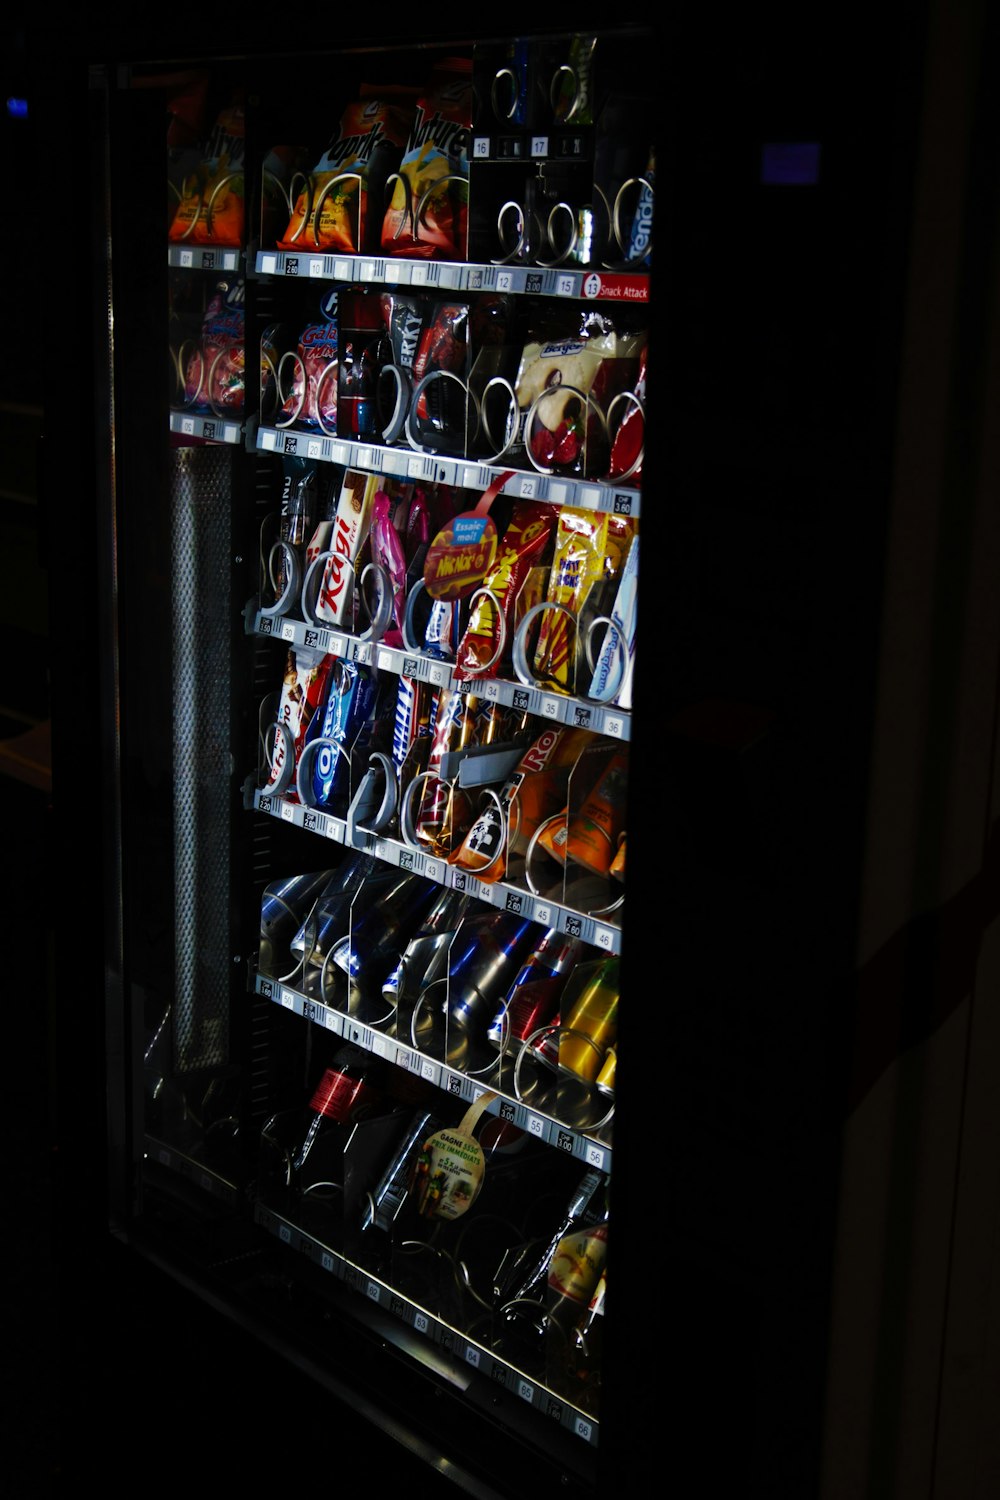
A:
{"x": 585, "y": 284}
{"x": 461, "y": 473}
{"x": 196, "y": 1172}
{"x": 210, "y": 429}
{"x": 533, "y": 1122}
{"x": 440, "y": 1334}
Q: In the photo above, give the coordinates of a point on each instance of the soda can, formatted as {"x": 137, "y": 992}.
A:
{"x": 533, "y": 998}
{"x": 590, "y": 1023}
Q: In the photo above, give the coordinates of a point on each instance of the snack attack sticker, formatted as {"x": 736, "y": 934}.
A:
{"x": 462, "y": 553}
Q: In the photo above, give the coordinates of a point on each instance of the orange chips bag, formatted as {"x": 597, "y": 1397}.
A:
{"x": 211, "y": 208}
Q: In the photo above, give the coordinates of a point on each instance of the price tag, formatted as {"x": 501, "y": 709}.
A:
{"x": 316, "y": 267}
{"x": 342, "y": 270}
{"x": 288, "y": 812}
{"x": 565, "y": 286}
{"x": 268, "y": 265}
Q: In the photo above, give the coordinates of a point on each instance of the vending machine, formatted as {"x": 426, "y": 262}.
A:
{"x": 397, "y": 1117}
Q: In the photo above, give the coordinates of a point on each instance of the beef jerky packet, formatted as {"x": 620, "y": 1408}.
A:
{"x": 332, "y": 206}
{"x": 211, "y": 208}
{"x": 427, "y": 215}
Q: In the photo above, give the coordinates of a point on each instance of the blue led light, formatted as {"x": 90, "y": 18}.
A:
{"x": 18, "y": 108}
{"x": 789, "y": 163}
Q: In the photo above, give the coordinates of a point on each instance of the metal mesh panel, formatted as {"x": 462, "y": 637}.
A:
{"x": 201, "y": 498}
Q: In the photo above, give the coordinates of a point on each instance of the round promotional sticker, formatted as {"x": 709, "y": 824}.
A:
{"x": 462, "y": 553}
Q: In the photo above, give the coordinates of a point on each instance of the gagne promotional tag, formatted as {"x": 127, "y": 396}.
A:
{"x": 450, "y": 1168}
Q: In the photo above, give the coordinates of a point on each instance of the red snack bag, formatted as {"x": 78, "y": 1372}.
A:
{"x": 211, "y": 208}
{"x": 427, "y": 215}
{"x": 331, "y": 207}
{"x": 526, "y": 545}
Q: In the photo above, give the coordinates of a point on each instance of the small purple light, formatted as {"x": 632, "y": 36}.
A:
{"x": 789, "y": 163}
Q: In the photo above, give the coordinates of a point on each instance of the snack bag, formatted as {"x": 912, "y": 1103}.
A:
{"x": 427, "y": 215}
{"x": 579, "y": 564}
{"x": 526, "y": 544}
{"x": 309, "y": 399}
{"x": 211, "y": 208}
{"x": 331, "y": 208}
{"x": 564, "y": 389}
{"x": 214, "y": 377}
